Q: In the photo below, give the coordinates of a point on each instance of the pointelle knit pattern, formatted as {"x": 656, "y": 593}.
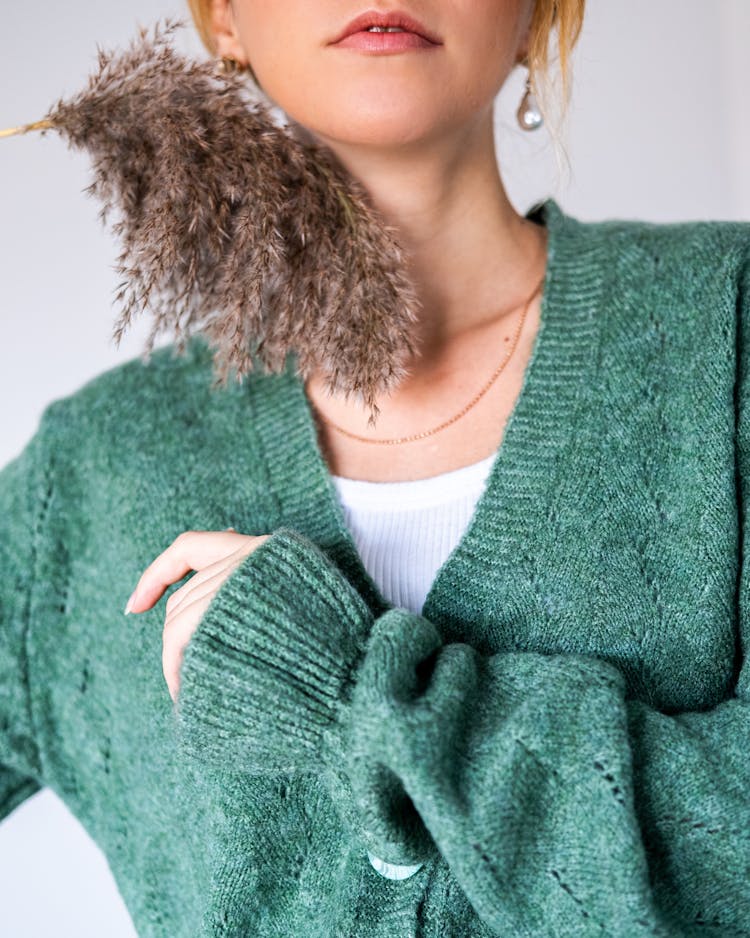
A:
{"x": 560, "y": 740}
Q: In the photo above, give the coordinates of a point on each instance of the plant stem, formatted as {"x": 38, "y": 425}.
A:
{"x": 25, "y": 128}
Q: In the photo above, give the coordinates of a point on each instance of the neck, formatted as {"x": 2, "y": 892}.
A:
{"x": 471, "y": 256}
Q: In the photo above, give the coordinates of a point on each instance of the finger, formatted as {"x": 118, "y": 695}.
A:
{"x": 175, "y": 617}
{"x": 185, "y": 593}
{"x": 191, "y": 550}
{"x": 183, "y": 620}
{"x": 177, "y": 636}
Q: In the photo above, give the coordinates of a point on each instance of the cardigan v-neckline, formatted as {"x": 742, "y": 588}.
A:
{"x": 521, "y": 481}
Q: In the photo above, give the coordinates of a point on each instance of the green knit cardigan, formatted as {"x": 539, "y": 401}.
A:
{"x": 560, "y": 742}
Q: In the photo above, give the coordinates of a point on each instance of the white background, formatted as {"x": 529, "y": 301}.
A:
{"x": 658, "y": 128}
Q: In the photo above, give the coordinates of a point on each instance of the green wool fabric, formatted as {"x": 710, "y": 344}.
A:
{"x": 561, "y": 738}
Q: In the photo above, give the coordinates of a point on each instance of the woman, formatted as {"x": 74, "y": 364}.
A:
{"x": 519, "y": 708}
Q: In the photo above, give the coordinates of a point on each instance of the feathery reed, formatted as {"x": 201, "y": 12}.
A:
{"x": 252, "y": 233}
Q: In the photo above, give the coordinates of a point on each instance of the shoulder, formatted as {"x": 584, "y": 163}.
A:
{"x": 142, "y": 402}
{"x": 689, "y": 267}
{"x": 669, "y": 260}
{"x": 693, "y": 242}
{"x": 676, "y": 292}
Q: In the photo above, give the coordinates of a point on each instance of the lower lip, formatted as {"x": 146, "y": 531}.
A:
{"x": 385, "y": 42}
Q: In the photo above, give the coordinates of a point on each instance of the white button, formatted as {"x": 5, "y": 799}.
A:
{"x": 392, "y": 870}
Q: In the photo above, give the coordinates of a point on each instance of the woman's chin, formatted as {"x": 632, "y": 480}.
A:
{"x": 386, "y": 131}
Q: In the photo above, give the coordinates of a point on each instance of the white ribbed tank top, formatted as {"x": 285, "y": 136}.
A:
{"x": 404, "y": 531}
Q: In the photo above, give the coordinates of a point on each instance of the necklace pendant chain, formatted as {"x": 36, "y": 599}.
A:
{"x": 472, "y": 402}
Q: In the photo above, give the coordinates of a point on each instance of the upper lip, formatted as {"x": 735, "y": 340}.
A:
{"x": 394, "y": 18}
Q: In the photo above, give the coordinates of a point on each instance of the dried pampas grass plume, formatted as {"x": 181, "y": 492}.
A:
{"x": 251, "y": 233}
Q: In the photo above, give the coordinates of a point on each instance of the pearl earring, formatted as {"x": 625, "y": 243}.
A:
{"x": 528, "y": 114}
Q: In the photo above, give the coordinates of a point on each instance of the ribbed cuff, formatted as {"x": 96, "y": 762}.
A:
{"x": 271, "y": 665}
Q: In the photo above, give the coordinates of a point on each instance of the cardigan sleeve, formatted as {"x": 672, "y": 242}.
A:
{"x": 23, "y": 498}
{"x": 546, "y": 790}
{"x": 551, "y": 795}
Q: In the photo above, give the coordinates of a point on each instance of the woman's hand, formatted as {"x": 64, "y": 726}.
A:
{"x": 214, "y": 554}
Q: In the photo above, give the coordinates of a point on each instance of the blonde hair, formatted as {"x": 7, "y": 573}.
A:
{"x": 563, "y": 18}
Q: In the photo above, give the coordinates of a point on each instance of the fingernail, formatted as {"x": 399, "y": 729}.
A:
{"x": 129, "y": 606}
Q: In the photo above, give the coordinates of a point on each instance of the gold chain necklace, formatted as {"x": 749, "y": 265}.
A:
{"x": 447, "y": 423}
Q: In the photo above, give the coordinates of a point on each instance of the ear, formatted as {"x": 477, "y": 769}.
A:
{"x": 522, "y": 51}
{"x": 224, "y": 31}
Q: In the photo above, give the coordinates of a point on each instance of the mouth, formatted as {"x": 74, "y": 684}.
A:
{"x": 371, "y": 22}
